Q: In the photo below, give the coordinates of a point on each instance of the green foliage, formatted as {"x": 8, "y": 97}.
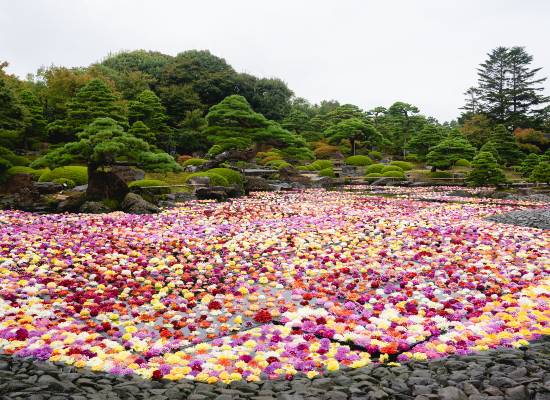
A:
{"x": 35, "y": 125}
{"x": 375, "y": 155}
{"x": 232, "y": 124}
{"x": 327, "y": 172}
{"x": 68, "y": 183}
{"x": 541, "y": 173}
{"x": 404, "y": 165}
{"x": 233, "y": 177}
{"x": 485, "y": 171}
{"x": 104, "y": 143}
{"x": 94, "y": 100}
{"x": 36, "y": 173}
{"x": 13, "y": 158}
{"x": 190, "y": 137}
{"x": 441, "y": 174}
{"x": 461, "y": 162}
{"x": 506, "y": 146}
{"x": 374, "y": 175}
{"x": 411, "y": 157}
{"x": 446, "y": 153}
{"x": 11, "y": 110}
{"x": 278, "y": 164}
{"x": 421, "y": 141}
{"x": 196, "y": 162}
{"x": 142, "y": 131}
{"x": 388, "y": 168}
{"x": 394, "y": 174}
{"x": 354, "y": 130}
{"x": 529, "y": 164}
{"x": 477, "y": 129}
{"x": 146, "y": 183}
{"x": 374, "y": 168}
{"x": 358, "y": 161}
{"x": 78, "y": 174}
{"x": 297, "y": 154}
{"x": 5, "y": 165}
{"x": 321, "y": 164}
{"x": 148, "y": 109}
{"x": 215, "y": 179}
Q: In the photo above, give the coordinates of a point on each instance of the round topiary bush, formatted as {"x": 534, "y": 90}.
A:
{"x": 375, "y": 155}
{"x": 358, "y": 161}
{"x": 195, "y": 162}
{"x": 68, "y": 183}
{"x": 327, "y": 172}
{"x": 461, "y": 162}
{"x": 78, "y": 174}
{"x": 404, "y": 165}
{"x": 36, "y": 173}
{"x": 215, "y": 179}
{"x": 394, "y": 174}
{"x": 411, "y": 157}
{"x": 374, "y": 175}
{"x": 374, "y": 169}
{"x": 441, "y": 174}
{"x": 278, "y": 164}
{"x": 232, "y": 176}
{"x": 388, "y": 168}
{"x": 321, "y": 164}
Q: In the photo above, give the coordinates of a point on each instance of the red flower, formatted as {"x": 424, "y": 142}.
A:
{"x": 157, "y": 374}
{"x": 263, "y": 316}
{"x": 214, "y": 305}
{"x": 21, "y": 334}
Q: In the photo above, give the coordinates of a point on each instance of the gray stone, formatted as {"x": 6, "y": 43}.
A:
{"x": 94, "y": 207}
{"x": 518, "y": 373}
{"x": 451, "y": 393}
{"x": 502, "y": 382}
{"x": 422, "y": 389}
{"x": 516, "y": 393}
{"x": 335, "y": 395}
{"x": 52, "y": 383}
{"x": 135, "y": 204}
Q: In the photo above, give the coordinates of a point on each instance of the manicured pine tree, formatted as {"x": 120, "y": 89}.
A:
{"x": 506, "y": 146}
{"x": 541, "y": 173}
{"x": 142, "y": 131}
{"x": 446, "y": 153}
{"x": 354, "y": 130}
{"x": 94, "y": 100}
{"x": 485, "y": 170}
{"x": 530, "y": 162}
{"x": 11, "y": 116}
{"x": 35, "y": 123}
{"x": 421, "y": 141}
{"x": 491, "y": 148}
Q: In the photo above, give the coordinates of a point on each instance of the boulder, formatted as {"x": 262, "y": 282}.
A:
{"x": 214, "y": 193}
{"x": 94, "y": 207}
{"x": 199, "y": 181}
{"x": 106, "y": 185}
{"x": 48, "y": 187}
{"x": 18, "y": 183}
{"x": 135, "y": 204}
{"x": 257, "y": 184}
{"x": 128, "y": 174}
{"x": 72, "y": 202}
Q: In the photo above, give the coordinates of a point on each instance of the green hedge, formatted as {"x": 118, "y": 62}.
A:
{"x": 358, "y": 161}
{"x": 394, "y": 174}
{"x": 404, "y": 165}
{"x": 327, "y": 172}
{"x": 36, "y": 173}
{"x": 374, "y": 175}
{"x": 78, "y": 174}
{"x": 194, "y": 162}
{"x": 321, "y": 164}
{"x": 441, "y": 174}
{"x": 374, "y": 169}
{"x": 215, "y": 179}
{"x": 232, "y": 176}
{"x": 278, "y": 164}
{"x": 388, "y": 168}
{"x": 375, "y": 155}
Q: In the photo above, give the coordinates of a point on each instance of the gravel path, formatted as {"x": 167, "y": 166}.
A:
{"x": 496, "y": 375}
{"x": 538, "y": 218}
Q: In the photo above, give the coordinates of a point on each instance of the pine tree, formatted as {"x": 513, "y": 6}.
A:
{"x": 35, "y": 123}
{"x": 490, "y": 147}
{"x": 142, "y": 131}
{"x": 506, "y": 146}
{"x": 446, "y": 153}
{"x": 148, "y": 109}
{"x": 485, "y": 170}
{"x": 94, "y": 100}
{"x": 354, "y": 130}
{"x": 421, "y": 141}
{"x": 530, "y": 162}
{"x": 541, "y": 173}
{"x": 11, "y": 116}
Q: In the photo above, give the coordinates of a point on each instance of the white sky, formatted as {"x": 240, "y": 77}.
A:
{"x": 366, "y": 52}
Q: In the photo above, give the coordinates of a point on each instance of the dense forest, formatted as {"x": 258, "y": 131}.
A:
{"x": 162, "y": 112}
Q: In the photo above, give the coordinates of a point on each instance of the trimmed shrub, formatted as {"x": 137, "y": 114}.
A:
{"x": 147, "y": 183}
{"x": 394, "y": 174}
{"x": 374, "y": 175}
{"x": 268, "y": 159}
{"x": 375, "y": 155}
{"x": 195, "y": 162}
{"x": 69, "y": 183}
{"x": 326, "y": 151}
{"x": 215, "y": 179}
{"x": 441, "y": 174}
{"x": 298, "y": 153}
{"x": 36, "y": 173}
{"x": 327, "y": 172}
{"x": 358, "y": 161}
{"x": 412, "y": 157}
{"x": 183, "y": 158}
{"x": 462, "y": 162}
{"x": 374, "y": 169}
{"x": 388, "y": 168}
{"x": 321, "y": 164}
{"x": 232, "y": 176}
{"x": 78, "y": 174}
{"x": 278, "y": 164}
{"x": 404, "y": 165}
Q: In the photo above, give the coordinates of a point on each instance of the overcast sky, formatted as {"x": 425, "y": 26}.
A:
{"x": 364, "y": 52}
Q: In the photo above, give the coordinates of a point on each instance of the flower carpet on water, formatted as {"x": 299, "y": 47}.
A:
{"x": 270, "y": 285}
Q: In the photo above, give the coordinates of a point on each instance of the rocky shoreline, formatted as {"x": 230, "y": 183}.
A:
{"x": 538, "y": 218}
{"x": 514, "y": 374}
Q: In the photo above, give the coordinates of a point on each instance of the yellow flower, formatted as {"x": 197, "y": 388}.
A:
{"x": 332, "y": 365}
